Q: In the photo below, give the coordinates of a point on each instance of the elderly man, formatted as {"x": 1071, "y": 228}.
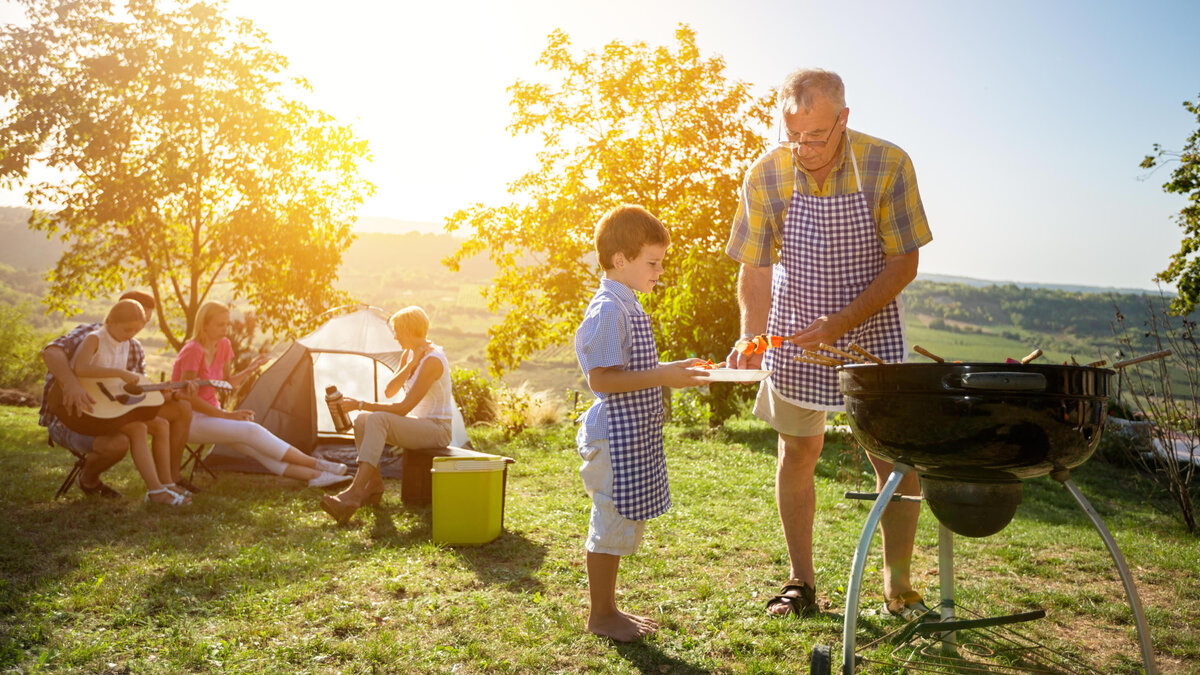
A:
{"x": 827, "y": 234}
{"x": 102, "y": 452}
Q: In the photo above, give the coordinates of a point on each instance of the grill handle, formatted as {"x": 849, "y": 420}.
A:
{"x": 1004, "y": 381}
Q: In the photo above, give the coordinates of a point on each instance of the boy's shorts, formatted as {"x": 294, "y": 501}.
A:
{"x": 787, "y": 418}
{"x": 74, "y": 441}
{"x": 608, "y": 531}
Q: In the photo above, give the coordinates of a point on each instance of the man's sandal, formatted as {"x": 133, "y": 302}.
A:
{"x": 799, "y": 598}
{"x": 176, "y": 498}
{"x": 908, "y": 606}
{"x": 99, "y": 490}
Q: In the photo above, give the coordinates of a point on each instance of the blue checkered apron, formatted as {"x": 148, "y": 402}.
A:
{"x": 831, "y": 252}
{"x": 635, "y": 441}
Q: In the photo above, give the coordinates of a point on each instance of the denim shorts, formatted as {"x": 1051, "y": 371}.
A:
{"x": 72, "y": 440}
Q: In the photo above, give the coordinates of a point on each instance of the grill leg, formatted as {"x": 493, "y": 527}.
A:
{"x": 1135, "y": 603}
{"x": 850, "y": 621}
{"x": 946, "y": 586}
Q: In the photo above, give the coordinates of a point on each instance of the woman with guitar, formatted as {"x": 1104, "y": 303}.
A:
{"x": 104, "y": 354}
{"x": 209, "y": 355}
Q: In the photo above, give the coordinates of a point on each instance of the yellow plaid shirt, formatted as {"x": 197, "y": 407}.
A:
{"x": 888, "y": 180}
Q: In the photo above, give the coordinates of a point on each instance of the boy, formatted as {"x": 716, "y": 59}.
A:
{"x": 620, "y": 437}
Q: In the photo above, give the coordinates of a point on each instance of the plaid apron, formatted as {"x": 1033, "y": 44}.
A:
{"x": 635, "y": 441}
{"x": 830, "y": 254}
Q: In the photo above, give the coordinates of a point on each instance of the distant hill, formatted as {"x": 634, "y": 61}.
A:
{"x": 23, "y": 248}
{"x": 981, "y": 283}
{"x": 381, "y": 225}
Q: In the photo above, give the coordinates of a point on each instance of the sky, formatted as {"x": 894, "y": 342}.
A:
{"x": 1026, "y": 121}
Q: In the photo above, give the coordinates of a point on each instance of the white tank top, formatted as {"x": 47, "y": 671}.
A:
{"x": 109, "y": 353}
{"x": 438, "y": 402}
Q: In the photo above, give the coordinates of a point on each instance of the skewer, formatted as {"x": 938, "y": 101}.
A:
{"x": 1095, "y": 364}
{"x": 1147, "y": 357}
{"x": 1032, "y": 355}
{"x": 924, "y": 352}
{"x": 866, "y": 354}
{"x": 828, "y": 360}
{"x": 834, "y": 350}
{"x": 805, "y": 359}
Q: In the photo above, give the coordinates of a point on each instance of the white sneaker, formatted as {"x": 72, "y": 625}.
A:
{"x": 326, "y": 479}
{"x": 332, "y": 467}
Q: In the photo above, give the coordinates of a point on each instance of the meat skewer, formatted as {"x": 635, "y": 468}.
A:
{"x": 805, "y": 359}
{"x": 834, "y": 350}
{"x": 922, "y": 351}
{"x": 866, "y": 354}
{"x": 825, "y": 360}
{"x": 1139, "y": 359}
{"x": 1032, "y": 355}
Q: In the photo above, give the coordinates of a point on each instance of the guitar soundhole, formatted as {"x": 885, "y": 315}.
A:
{"x": 133, "y": 389}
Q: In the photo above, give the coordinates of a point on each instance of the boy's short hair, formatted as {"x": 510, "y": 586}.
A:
{"x": 125, "y": 311}
{"x": 626, "y": 229}
{"x": 144, "y": 299}
{"x": 412, "y": 320}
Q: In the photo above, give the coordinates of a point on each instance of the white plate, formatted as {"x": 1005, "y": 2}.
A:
{"x": 737, "y": 375}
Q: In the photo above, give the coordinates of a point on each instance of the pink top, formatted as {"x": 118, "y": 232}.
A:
{"x": 191, "y": 357}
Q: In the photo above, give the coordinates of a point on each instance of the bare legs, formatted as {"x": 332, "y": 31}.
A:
{"x": 106, "y": 452}
{"x": 899, "y": 528}
{"x": 604, "y": 618}
{"x": 796, "y": 497}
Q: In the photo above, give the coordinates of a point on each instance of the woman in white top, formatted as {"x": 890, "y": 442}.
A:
{"x": 422, "y": 419}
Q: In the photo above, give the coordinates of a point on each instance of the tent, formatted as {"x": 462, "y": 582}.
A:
{"x": 354, "y": 351}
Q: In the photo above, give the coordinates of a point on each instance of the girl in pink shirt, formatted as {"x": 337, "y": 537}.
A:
{"x": 209, "y": 356}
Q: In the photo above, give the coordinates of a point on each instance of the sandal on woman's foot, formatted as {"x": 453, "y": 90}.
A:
{"x": 799, "y": 598}
{"x": 908, "y": 606}
{"x": 176, "y": 498}
{"x": 177, "y": 489}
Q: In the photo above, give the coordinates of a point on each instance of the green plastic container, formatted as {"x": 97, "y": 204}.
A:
{"x": 468, "y": 498}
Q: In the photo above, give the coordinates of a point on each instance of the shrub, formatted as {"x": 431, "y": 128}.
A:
{"x": 689, "y": 408}
{"x": 21, "y": 364}
{"x": 475, "y": 394}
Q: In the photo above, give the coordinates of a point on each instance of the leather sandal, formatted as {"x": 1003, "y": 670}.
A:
{"x": 99, "y": 490}
{"x": 908, "y": 606}
{"x": 799, "y": 598}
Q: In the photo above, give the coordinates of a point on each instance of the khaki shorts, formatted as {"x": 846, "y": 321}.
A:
{"x": 787, "y": 418}
{"x": 608, "y": 531}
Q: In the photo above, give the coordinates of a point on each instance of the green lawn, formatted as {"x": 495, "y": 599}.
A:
{"x": 253, "y": 578}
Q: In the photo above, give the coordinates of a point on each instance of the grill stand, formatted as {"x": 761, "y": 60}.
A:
{"x": 946, "y": 579}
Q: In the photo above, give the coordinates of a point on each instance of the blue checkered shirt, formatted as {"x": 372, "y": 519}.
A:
{"x": 69, "y": 343}
{"x": 603, "y": 340}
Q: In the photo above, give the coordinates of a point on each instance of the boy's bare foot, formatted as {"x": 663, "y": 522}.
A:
{"x": 643, "y": 620}
{"x": 620, "y": 627}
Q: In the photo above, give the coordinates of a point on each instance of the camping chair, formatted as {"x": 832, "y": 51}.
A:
{"x": 195, "y": 457}
{"x": 73, "y": 474}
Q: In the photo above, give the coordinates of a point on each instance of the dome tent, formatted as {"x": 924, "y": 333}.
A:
{"x": 353, "y": 350}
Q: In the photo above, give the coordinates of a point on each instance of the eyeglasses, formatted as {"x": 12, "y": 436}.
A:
{"x": 793, "y": 140}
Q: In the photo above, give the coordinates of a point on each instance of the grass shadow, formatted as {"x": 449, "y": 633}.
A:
{"x": 648, "y": 658}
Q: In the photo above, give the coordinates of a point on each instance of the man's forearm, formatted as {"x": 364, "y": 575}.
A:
{"x": 754, "y": 297}
{"x": 58, "y": 364}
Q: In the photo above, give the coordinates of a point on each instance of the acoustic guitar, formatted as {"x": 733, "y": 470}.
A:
{"x": 117, "y": 403}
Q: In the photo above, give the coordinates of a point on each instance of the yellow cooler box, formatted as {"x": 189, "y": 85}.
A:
{"x": 468, "y": 498}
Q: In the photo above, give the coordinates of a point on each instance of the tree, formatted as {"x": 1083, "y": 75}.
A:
{"x": 659, "y": 127}
{"x": 1184, "y": 267}
{"x": 177, "y": 160}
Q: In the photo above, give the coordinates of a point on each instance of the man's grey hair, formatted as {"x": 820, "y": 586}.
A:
{"x": 799, "y": 87}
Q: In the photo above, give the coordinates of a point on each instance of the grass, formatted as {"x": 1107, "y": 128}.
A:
{"x": 253, "y": 578}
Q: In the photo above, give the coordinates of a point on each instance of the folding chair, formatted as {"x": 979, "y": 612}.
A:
{"x": 195, "y": 457}
{"x": 73, "y": 474}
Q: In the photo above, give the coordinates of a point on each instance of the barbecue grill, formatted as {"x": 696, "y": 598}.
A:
{"x": 974, "y": 432}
